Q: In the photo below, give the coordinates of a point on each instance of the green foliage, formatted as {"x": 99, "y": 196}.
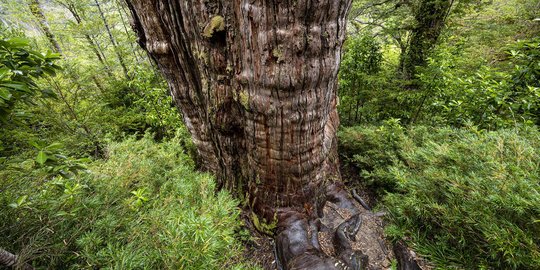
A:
{"x": 19, "y": 68}
{"x": 359, "y": 77}
{"x": 51, "y": 159}
{"x": 371, "y": 150}
{"x": 142, "y": 104}
{"x": 489, "y": 97}
{"x": 461, "y": 197}
{"x": 143, "y": 208}
{"x": 95, "y": 98}
{"x": 484, "y": 68}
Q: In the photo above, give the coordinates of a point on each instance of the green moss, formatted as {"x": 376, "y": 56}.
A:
{"x": 264, "y": 226}
{"x": 244, "y": 99}
{"x": 216, "y": 24}
{"x": 278, "y": 53}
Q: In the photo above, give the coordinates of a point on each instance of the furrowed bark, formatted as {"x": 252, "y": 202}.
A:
{"x": 256, "y": 84}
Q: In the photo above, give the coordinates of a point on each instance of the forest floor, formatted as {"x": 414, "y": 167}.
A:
{"x": 369, "y": 239}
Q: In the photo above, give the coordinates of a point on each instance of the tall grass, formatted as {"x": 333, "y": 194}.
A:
{"x": 461, "y": 197}
{"x": 145, "y": 207}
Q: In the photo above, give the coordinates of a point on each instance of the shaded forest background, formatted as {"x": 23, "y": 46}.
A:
{"x": 97, "y": 170}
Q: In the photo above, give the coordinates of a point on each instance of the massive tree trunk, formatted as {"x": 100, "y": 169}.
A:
{"x": 256, "y": 84}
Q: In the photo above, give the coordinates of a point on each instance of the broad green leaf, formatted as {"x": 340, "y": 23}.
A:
{"x": 41, "y": 157}
{"x": 54, "y": 146}
{"x": 16, "y": 86}
{"x": 52, "y": 56}
{"x": 21, "y": 200}
{"x": 34, "y": 144}
{"x": 18, "y": 42}
{"x": 5, "y": 94}
{"x": 84, "y": 160}
{"x": 50, "y": 71}
{"x": 3, "y": 72}
{"x": 48, "y": 93}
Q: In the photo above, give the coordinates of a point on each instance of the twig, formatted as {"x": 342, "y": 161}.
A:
{"x": 360, "y": 200}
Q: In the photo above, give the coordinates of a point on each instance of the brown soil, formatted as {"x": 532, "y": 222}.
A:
{"x": 260, "y": 247}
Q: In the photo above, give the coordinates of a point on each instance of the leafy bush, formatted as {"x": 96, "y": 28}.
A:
{"x": 143, "y": 208}
{"x": 19, "y": 69}
{"x": 371, "y": 149}
{"x": 484, "y": 69}
{"x": 460, "y": 197}
{"x": 359, "y": 78}
{"x": 491, "y": 98}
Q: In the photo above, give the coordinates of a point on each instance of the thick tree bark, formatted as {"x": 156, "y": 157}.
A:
{"x": 256, "y": 84}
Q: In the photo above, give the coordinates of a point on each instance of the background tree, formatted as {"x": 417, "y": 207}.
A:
{"x": 429, "y": 20}
{"x": 414, "y": 26}
{"x": 37, "y": 11}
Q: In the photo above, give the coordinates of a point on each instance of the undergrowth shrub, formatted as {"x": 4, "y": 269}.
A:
{"x": 145, "y": 207}
{"x": 462, "y": 198}
{"x": 371, "y": 149}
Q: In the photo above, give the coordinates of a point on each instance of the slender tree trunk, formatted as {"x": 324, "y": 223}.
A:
{"x": 37, "y": 11}
{"x": 123, "y": 11}
{"x": 356, "y": 110}
{"x": 101, "y": 58}
{"x": 430, "y": 18}
{"x": 113, "y": 41}
{"x": 256, "y": 83}
{"x": 349, "y": 116}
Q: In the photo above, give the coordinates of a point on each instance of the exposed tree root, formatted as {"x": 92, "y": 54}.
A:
{"x": 7, "y": 259}
{"x": 297, "y": 241}
{"x": 360, "y": 200}
{"x": 406, "y": 258}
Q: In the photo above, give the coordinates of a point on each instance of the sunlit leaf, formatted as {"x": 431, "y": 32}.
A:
{"x": 41, "y": 157}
